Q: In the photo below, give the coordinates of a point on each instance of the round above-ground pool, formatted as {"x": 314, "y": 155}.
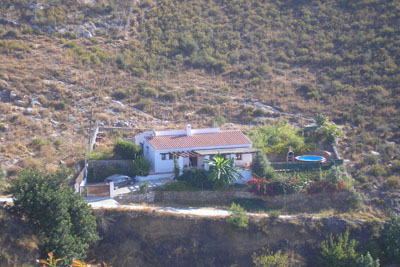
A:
{"x": 311, "y": 158}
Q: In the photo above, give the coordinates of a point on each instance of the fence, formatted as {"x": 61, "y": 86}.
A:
{"x": 100, "y": 190}
{"x": 305, "y": 166}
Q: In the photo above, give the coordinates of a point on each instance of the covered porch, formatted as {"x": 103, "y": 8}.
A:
{"x": 187, "y": 159}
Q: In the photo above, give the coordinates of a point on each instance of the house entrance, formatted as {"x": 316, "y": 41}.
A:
{"x": 193, "y": 161}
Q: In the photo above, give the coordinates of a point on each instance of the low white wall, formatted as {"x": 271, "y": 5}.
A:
{"x": 155, "y": 176}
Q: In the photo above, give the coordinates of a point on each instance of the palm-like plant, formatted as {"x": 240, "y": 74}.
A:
{"x": 222, "y": 171}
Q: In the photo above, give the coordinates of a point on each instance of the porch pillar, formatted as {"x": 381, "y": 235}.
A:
{"x": 180, "y": 164}
{"x": 232, "y": 156}
{"x": 206, "y": 166}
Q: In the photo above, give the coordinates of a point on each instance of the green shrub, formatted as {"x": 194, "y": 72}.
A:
{"x": 395, "y": 166}
{"x": 144, "y": 187}
{"x": 340, "y": 253}
{"x": 268, "y": 259}
{"x": 378, "y": 170}
{"x": 261, "y": 167}
{"x": 119, "y": 94}
{"x": 97, "y": 156}
{"x": 59, "y": 105}
{"x": 3, "y": 126}
{"x": 61, "y": 219}
{"x": 355, "y": 201}
{"x": 39, "y": 142}
{"x": 274, "y": 214}
{"x": 390, "y": 239}
{"x": 141, "y": 166}
{"x": 250, "y": 204}
{"x": 278, "y": 138}
{"x": 393, "y": 182}
{"x": 196, "y": 178}
{"x": 238, "y": 218}
{"x": 126, "y": 149}
{"x": 177, "y": 186}
{"x": 367, "y": 261}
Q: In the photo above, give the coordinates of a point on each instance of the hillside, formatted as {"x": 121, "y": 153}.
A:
{"x": 161, "y": 64}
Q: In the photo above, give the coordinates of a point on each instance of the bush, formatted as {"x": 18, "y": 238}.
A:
{"x": 395, "y": 166}
{"x": 367, "y": 261}
{"x": 97, "y": 156}
{"x": 238, "y": 218}
{"x": 3, "y": 126}
{"x": 393, "y": 182}
{"x": 274, "y": 214}
{"x": 263, "y": 187}
{"x": 355, "y": 202}
{"x": 278, "y": 138}
{"x": 177, "y": 186}
{"x": 39, "y": 142}
{"x": 390, "y": 239}
{"x": 196, "y": 178}
{"x": 378, "y": 170}
{"x": 340, "y": 253}
{"x": 141, "y": 166}
{"x": 325, "y": 186}
{"x": 126, "y": 149}
{"x": 59, "y": 105}
{"x": 268, "y": 259}
{"x": 261, "y": 167}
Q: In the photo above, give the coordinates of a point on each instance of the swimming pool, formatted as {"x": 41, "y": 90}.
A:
{"x": 310, "y": 158}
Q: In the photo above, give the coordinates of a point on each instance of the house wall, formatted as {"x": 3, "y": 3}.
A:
{"x": 149, "y": 154}
{"x": 158, "y": 165}
{"x": 246, "y": 160}
{"x": 166, "y": 165}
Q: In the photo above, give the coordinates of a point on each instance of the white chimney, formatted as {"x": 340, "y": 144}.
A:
{"x": 188, "y": 130}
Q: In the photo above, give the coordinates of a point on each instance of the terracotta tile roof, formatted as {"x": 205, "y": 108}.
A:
{"x": 223, "y": 138}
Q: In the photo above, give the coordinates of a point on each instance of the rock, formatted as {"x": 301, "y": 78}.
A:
{"x": 376, "y": 153}
{"x": 28, "y": 111}
{"x": 20, "y": 103}
{"x": 87, "y": 34}
{"x": 13, "y": 95}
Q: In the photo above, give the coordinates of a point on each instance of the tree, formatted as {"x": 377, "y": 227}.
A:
{"x": 270, "y": 259}
{"x": 261, "y": 167}
{"x": 390, "y": 239}
{"x": 222, "y": 171}
{"x": 340, "y": 253}
{"x": 61, "y": 219}
{"x": 177, "y": 171}
{"x": 367, "y": 261}
{"x": 278, "y": 138}
{"x": 126, "y": 149}
{"x": 141, "y": 166}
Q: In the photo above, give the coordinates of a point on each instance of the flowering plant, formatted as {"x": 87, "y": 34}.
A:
{"x": 325, "y": 186}
{"x": 263, "y": 187}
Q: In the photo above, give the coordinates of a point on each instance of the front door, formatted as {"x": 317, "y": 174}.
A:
{"x": 193, "y": 161}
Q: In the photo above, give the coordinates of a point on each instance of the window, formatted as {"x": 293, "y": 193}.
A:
{"x": 238, "y": 156}
{"x": 171, "y": 156}
{"x": 163, "y": 156}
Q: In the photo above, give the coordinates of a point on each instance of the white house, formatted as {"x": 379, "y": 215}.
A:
{"x": 192, "y": 147}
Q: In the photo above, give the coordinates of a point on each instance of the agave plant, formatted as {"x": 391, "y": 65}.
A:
{"x": 222, "y": 171}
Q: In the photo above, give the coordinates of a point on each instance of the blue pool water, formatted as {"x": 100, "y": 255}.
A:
{"x": 310, "y": 158}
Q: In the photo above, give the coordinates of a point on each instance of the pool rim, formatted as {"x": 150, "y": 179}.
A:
{"x": 323, "y": 159}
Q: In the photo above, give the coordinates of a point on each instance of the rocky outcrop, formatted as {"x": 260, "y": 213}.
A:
{"x": 132, "y": 238}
